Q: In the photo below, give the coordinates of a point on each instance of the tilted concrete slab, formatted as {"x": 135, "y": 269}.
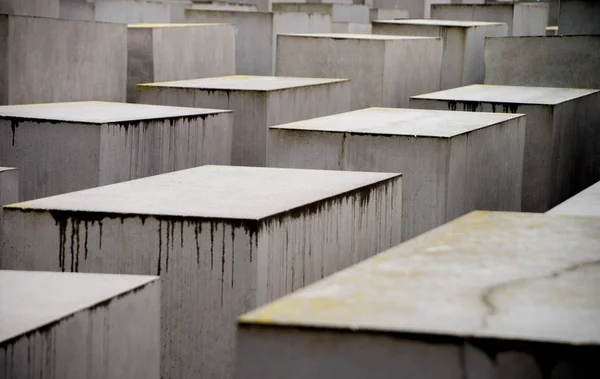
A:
{"x": 491, "y": 294}
{"x": 561, "y": 149}
{"x": 452, "y": 162}
{"x": 586, "y": 203}
{"x": 64, "y": 147}
{"x": 257, "y": 101}
{"x": 71, "y": 326}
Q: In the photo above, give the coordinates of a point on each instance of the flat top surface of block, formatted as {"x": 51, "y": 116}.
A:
{"x": 2, "y": 169}
{"x": 431, "y": 22}
{"x": 222, "y": 192}
{"x": 153, "y": 26}
{"x": 377, "y": 37}
{"x": 32, "y": 299}
{"x": 508, "y": 94}
{"x": 487, "y": 274}
{"x": 98, "y": 112}
{"x": 245, "y": 83}
{"x": 402, "y": 122}
{"x": 585, "y": 203}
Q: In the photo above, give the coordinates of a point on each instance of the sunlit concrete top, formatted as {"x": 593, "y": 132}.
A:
{"x": 431, "y": 22}
{"x": 244, "y": 83}
{"x": 151, "y": 26}
{"x": 33, "y": 299}
{"x": 7, "y": 169}
{"x": 402, "y": 122}
{"x": 487, "y": 274}
{"x": 585, "y": 203}
{"x": 508, "y": 94}
{"x": 223, "y": 192}
{"x": 382, "y": 37}
{"x": 97, "y": 112}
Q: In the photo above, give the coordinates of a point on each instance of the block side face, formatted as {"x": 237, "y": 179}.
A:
{"x": 118, "y": 11}
{"x": 474, "y": 61}
{"x": 53, "y": 158}
{"x": 330, "y": 57}
{"x": 253, "y": 39}
{"x": 117, "y": 339}
{"x": 139, "y": 150}
{"x": 568, "y": 62}
{"x": 530, "y": 19}
{"x": 474, "y": 12}
{"x": 4, "y": 61}
{"x": 585, "y": 203}
{"x": 140, "y": 59}
{"x": 37, "y": 8}
{"x": 77, "y": 10}
{"x": 53, "y": 74}
{"x": 579, "y": 17}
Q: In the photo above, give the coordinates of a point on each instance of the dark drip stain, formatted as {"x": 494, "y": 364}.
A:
{"x": 159, "y": 247}
{"x": 197, "y": 232}
{"x": 451, "y": 105}
{"x": 181, "y": 234}
{"x": 470, "y": 106}
{"x": 510, "y": 108}
{"x": 222, "y": 264}
{"x": 233, "y": 252}
{"x": 212, "y": 245}
{"x": 14, "y": 124}
{"x": 85, "y": 243}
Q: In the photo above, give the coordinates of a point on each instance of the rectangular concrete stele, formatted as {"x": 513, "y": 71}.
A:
{"x": 223, "y": 239}
{"x": 162, "y": 52}
{"x": 579, "y": 17}
{"x": 351, "y": 27}
{"x": 559, "y": 61}
{"x": 490, "y": 295}
{"x": 525, "y": 19}
{"x": 384, "y": 70}
{"x": 415, "y": 8}
{"x": 253, "y": 40}
{"x": 72, "y": 326}
{"x": 452, "y": 162}
{"x": 563, "y": 127}
{"x": 39, "y": 8}
{"x": 56, "y": 71}
{"x": 339, "y": 12}
{"x": 463, "y": 56}
{"x": 124, "y": 11}
{"x": 585, "y": 203}
{"x": 257, "y": 103}
{"x": 224, "y": 6}
{"x": 9, "y": 191}
{"x": 64, "y": 147}
{"x": 387, "y": 14}
{"x": 261, "y": 5}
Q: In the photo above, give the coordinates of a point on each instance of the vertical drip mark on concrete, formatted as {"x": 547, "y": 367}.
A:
{"x": 451, "y": 105}
{"x": 212, "y": 244}
{"x": 75, "y": 252}
{"x": 233, "y": 252}
{"x": 181, "y": 234}
{"x": 222, "y": 264}
{"x": 14, "y": 124}
{"x": 100, "y": 238}
{"x": 342, "y": 151}
{"x": 62, "y": 240}
{"x": 159, "y": 247}
{"x": 494, "y": 107}
{"x": 85, "y": 241}
{"x": 197, "y": 232}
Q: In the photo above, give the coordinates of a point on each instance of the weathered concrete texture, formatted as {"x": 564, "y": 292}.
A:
{"x": 452, "y": 162}
{"x": 351, "y": 27}
{"x": 579, "y": 17}
{"x": 224, "y": 6}
{"x": 257, "y": 103}
{"x": 415, "y": 8}
{"x": 384, "y": 70}
{"x": 253, "y": 40}
{"x": 39, "y": 8}
{"x": 562, "y": 155}
{"x": 464, "y": 45}
{"x": 223, "y": 239}
{"x": 75, "y": 326}
{"x": 490, "y": 295}
{"x": 124, "y": 11}
{"x": 339, "y": 12}
{"x": 64, "y": 147}
{"x": 387, "y": 14}
{"x": 525, "y": 19}
{"x": 585, "y": 203}
{"x": 50, "y": 60}
{"x": 162, "y": 52}
{"x": 261, "y": 5}
{"x": 569, "y": 61}
{"x": 9, "y": 191}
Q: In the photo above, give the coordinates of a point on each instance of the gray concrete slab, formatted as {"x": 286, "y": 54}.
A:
{"x": 579, "y": 17}
{"x": 163, "y": 52}
{"x": 586, "y": 204}
{"x": 55, "y": 71}
{"x": 491, "y": 294}
{"x": 523, "y": 19}
{"x": 257, "y": 101}
{"x": 124, "y": 11}
{"x": 354, "y": 13}
{"x": 39, "y": 8}
{"x": 371, "y": 62}
{"x": 64, "y": 147}
{"x": 223, "y": 239}
{"x": 452, "y": 162}
{"x": 387, "y": 14}
{"x": 72, "y": 326}
{"x": 223, "y": 6}
{"x": 562, "y": 127}
{"x": 463, "y": 41}
{"x": 557, "y": 61}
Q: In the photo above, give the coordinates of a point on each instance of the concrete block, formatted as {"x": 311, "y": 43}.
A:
{"x": 586, "y": 204}
{"x": 339, "y": 12}
{"x": 452, "y": 162}
{"x": 552, "y": 31}
{"x": 223, "y": 6}
{"x": 563, "y": 127}
{"x": 64, "y": 147}
{"x": 261, "y": 5}
{"x": 490, "y": 295}
{"x": 38, "y": 8}
{"x": 257, "y": 103}
{"x": 524, "y": 19}
{"x": 162, "y": 52}
{"x": 223, "y": 239}
{"x": 124, "y": 11}
{"x": 387, "y": 14}
{"x": 42, "y": 60}
{"x": 384, "y": 70}
{"x": 73, "y": 326}
{"x": 351, "y": 27}
{"x": 463, "y": 41}
{"x": 415, "y": 8}
{"x": 561, "y": 61}
{"x": 9, "y": 191}
{"x": 579, "y": 17}
{"x": 253, "y": 40}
